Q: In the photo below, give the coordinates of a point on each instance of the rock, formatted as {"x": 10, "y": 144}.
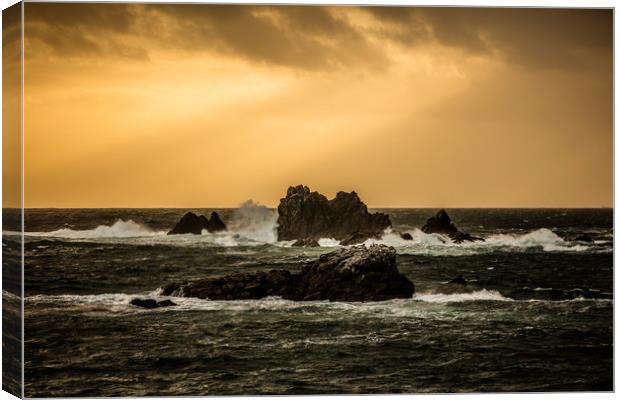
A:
{"x": 441, "y": 223}
{"x": 166, "y": 303}
{"x": 192, "y": 223}
{"x": 584, "y": 238}
{"x": 359, "y": 237}
{"x": 303, "y": 214}
{"x": 238, "y": 286}
{"x": 151, "y": 303}
{"x": 459, "y": 280}
{"x": 455, "y": 286}
{"x": 354, "y": 274}
{"x": 306, "y": 243}
{"x": 349, "y": 274}
{"x": 215, "y": 224}
{"x": 406, "y": 236}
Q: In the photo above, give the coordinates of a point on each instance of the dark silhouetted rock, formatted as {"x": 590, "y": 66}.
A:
{"x": 151, "y": 303}
{"x": 584, "y": 238}
{"x": 215, "y": 224}
{"x": 238, "y": 286}
{"x": 303, "y": 214}
{"x": 441, "y": 223}
{"x": 460, "y": 280}
{"x": 406, "y": 236}
{"x": 192, "y": 223}
{"x": 359, "y": 237}
{"x": 306, "y": 243}
{"x": 348, "y": 274}
{"x": 166, "y": 303}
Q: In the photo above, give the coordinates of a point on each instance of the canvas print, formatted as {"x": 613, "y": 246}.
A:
{"x": 285, "y": 199}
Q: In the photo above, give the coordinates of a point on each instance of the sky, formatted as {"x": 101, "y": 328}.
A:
{"x": 133, "y": 105}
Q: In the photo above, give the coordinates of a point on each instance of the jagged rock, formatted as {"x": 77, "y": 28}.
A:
{"x": 349, "y": 274}
{"x": 441, "y": 223}
{"x": 354, "y": 274}
{"x": 151, "y": 303}
{"x": 406, "y": 236}
{"x": 306, "y": 243}
{"x": 215, "y": 224}
{"x": 303, "y": 214}
{"x": 584, "y": 238}
{"x": 192, "y": 223}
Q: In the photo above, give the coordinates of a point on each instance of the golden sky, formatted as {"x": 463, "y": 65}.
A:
{"x": 178, "y": 105}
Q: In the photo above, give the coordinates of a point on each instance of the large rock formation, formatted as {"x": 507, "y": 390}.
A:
{"x": 192, "y": 223}
{"x": 441, "y": 223}
{"x": 307, "y": 215}
{"x": 349, "y": 274}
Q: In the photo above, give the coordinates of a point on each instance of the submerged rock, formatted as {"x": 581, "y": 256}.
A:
{"x": 192, "y": 223}
{"x": 455, "y": 286}
{"x": 441, "y": 223}
{"x": 406, "y": 236}
{"x": 151, "y": 303}
{"x": 303, "y": 214}
{"x": 350, "y": 274}
{"x": 306, "y": 243}
{"x": 584, "y": 238}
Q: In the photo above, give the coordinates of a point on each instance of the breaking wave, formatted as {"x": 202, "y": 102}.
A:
{"x": 120, "y": 229}
{"x": 433, "y": 243}
{"x": 478, "y": 295}
{"x": 253, "y": 224}
{"x": 421, "y": 305}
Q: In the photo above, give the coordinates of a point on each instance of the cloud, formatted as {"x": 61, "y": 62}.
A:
{"x": 538, "y": 37}
{"x": 293, "y": 36}
{"x": 315, "y": 37}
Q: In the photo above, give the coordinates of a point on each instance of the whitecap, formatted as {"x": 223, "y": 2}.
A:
{"x": 120, "y": 229}
{"x": 478, "y": 295}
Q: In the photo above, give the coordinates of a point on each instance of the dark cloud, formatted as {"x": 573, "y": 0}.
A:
{"x": 295, "y": 36}
{"x": 312, "y": 37}
{"x": 82, "y": 29}
{"x": 542, "y": 37}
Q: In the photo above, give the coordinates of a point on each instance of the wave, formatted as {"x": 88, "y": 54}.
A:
{"x": 255, "y": 225}
{"x": 251, "y": 224}
{"x": 120, "y": 229}
{"x": 255, "y": 222}
{"x": 478, "y": 295}
{"x": 418, "y": 305}
{"x": 437, "y": 244}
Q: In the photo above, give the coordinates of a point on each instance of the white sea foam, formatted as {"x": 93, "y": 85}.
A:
{"x": 120, "y": 229}
{"x": 436, "y": 244}
{"x": 329, "y": 242}
{"x": 478, "y": 295}
{"x": 255, "y": 225}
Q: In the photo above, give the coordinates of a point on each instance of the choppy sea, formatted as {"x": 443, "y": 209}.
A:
{"x": 539, "y": 318}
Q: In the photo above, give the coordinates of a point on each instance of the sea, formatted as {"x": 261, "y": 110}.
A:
{"x": 539, "y": 317}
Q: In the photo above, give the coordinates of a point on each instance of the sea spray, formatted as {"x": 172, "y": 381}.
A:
{"x": 255, "y": 222}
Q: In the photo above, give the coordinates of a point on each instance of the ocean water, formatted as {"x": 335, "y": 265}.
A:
{"x": 539, "y": 318}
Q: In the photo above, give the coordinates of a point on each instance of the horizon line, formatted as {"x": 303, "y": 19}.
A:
{"x": 370, "y": 207}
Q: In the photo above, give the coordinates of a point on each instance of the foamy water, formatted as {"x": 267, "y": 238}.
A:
{"x": 256, "y": 225}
